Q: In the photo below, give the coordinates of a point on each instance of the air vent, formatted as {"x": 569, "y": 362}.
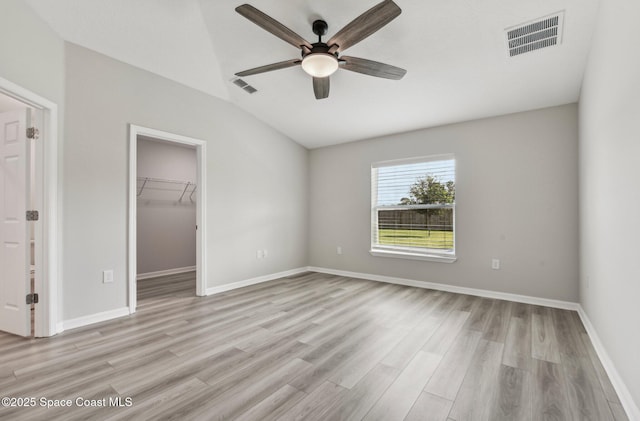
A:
{"x": 243, "y": 85}
{"x": 530, "y": 36}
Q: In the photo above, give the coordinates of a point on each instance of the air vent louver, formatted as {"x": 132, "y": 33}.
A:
{"x": 531, "y": 36}
{"x": 243, "y": 85}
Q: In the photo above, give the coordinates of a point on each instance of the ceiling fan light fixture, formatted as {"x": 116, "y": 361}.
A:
{"x": 320, "y": 64}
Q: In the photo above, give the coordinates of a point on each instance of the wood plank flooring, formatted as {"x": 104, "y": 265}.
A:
{"x": 314, "y": 347}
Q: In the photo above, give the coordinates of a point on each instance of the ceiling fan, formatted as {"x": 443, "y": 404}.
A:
{"x": 321, "y": 59}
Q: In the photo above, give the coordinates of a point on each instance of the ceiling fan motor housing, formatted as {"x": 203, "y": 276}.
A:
{"x": 318, "y": 48}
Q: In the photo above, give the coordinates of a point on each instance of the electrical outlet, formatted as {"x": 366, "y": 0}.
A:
{"x": 339, "y": 249}
{"x": 259, "y": 254}
{"x": 265, "y": 253}
{"x": 495, "y": 264}
{"x": 107, "y": 276}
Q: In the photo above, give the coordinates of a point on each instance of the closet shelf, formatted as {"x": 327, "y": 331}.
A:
{"x": 189, "y": 187}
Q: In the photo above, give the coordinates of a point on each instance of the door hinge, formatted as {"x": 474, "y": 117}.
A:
{"x": 32, "y": 215}
{"x": 33, "y": 133}
{"x": 32, "y": 298}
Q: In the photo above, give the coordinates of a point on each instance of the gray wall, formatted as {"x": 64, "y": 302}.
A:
{"x": 166, "y": 226}
{"x": 516, "y": 194}
{"x": 257, "y": 179}
{"x": 31, "y": 54}
{"x": 609, "y": 193}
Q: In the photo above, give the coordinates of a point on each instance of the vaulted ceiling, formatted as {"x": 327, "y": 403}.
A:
{"x": 455, "y": 53}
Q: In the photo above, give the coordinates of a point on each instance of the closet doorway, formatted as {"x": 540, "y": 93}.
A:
{"x": 166, "y": 215}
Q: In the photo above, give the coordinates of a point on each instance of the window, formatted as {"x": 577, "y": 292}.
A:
{"x": 413, "y": 208}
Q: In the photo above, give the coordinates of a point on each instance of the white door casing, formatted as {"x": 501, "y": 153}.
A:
{"x": 15, "y": 316}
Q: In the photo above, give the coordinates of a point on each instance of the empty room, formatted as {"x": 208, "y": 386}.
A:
{"x": 366, "y": 210}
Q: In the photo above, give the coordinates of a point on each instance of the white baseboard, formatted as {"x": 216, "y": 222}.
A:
{"x": 626, "y": 399}
{"x": 253, "y": 281}
{"x": 165, "y": 272}
{"x": 93, "y": 318}
{"x": 547, "y": 302}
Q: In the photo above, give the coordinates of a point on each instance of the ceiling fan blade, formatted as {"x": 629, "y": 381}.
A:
{"x": 271, "y": 25}
{"x": 269, "y": 67}
{"x": 321, "y": 87}
{"x": 372, "y": 68}
{"x": 364, "y": 25}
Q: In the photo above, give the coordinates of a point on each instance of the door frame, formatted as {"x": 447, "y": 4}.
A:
{"x": 201, "y": 206}
{"x": 47, "y": 233}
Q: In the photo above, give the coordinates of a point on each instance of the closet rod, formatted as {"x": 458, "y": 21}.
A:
{"x": 163, "y": 180}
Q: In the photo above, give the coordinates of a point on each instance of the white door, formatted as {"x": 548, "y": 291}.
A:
{"x": 15, "y": 316}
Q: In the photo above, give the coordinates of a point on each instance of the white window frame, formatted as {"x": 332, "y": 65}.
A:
{"x": 414, "y": 253}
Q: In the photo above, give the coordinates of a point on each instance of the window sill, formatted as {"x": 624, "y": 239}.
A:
{"x": 440, "y": 258}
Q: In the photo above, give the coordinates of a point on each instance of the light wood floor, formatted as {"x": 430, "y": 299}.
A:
{"x": 316, "y": 347}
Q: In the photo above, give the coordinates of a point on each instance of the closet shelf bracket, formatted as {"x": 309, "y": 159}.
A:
{"x": 184, "y": 191}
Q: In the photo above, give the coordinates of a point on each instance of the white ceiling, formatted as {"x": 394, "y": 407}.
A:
{"x": 454, "y": 52}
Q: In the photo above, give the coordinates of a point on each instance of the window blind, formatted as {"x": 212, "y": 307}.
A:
{"x": 413, "y": 204}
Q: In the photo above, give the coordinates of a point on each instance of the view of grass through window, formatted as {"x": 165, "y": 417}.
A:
{"x": 414, "y": 205}
{"x": 432, "y": 236}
